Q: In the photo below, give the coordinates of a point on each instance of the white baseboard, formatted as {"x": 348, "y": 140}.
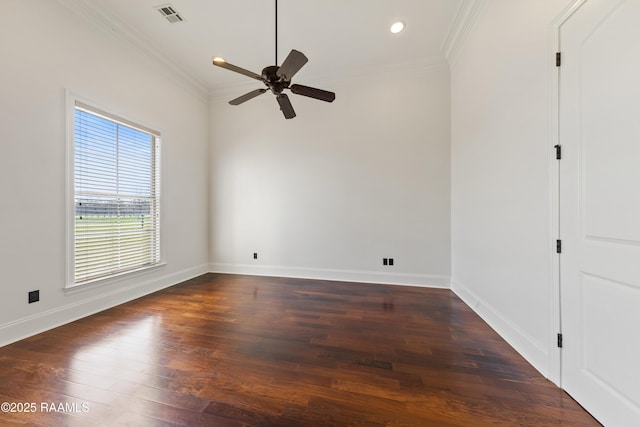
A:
{"x": 529, "y": 348}
{"x": 424, "y": 280}
{"x": 41, "y": 322}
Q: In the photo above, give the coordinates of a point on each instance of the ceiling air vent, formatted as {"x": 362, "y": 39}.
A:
{"x": 170, "y": 13}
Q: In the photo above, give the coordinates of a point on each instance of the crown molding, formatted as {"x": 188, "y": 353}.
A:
{"x": 91, "y": 11}
{"x": 462, "y": 25}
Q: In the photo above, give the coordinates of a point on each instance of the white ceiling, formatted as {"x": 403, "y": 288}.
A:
{"x": 340, "y": 37}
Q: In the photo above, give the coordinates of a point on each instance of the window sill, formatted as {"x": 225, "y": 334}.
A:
{"x": 71, "y": 289}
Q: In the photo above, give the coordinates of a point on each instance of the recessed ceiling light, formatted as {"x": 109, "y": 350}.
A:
{"x": 397, "y": 27}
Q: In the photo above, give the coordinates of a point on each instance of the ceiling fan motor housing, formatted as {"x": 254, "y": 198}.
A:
{"x": 274, "y": 82}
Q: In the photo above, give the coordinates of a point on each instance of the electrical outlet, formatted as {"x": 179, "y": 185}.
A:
{"x": 34, "y": 296}
{"x": 255, "y": 255}
{"x": 385, "y": 261}
{"x": 390, "y": 261}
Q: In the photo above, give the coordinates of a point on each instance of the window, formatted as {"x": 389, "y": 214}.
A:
{"x": 116, "y": 188}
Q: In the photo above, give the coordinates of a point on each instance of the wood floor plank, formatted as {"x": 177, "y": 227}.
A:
{"x": 231, "y": 350}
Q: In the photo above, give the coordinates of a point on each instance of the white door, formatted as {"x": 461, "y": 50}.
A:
{"x": 600, "y": 208}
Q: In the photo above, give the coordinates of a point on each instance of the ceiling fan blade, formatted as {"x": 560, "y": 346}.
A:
{"x": 247, "y": 96}
{"x": 312, "y": 92}
{"x": 224, "y": 64}
{"x": 285, "y": 106}
{"x": 292, "y": 64}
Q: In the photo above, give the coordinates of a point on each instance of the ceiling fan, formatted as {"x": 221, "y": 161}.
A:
{"x": 277, "y": 79}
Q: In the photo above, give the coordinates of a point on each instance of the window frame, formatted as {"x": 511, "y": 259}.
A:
{"x": 72, "y": 101}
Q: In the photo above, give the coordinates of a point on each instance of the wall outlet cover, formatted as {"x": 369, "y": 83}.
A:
{"x": 34, "y": 296}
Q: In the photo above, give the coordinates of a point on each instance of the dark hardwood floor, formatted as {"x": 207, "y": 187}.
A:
{"x": 224, "y": 350}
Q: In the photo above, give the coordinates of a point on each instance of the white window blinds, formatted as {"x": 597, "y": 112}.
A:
{"x": 116, "y": 195}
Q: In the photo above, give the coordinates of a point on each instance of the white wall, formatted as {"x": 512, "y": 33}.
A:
{"x": 331, "y": 192}
{"x": 47, "y": 48}
{"x": 502, "y": 244}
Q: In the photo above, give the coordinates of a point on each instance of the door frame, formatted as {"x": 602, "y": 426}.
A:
{"x": 555, "y": 353}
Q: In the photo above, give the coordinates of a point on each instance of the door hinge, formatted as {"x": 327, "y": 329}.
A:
{"x": 558, "y": 151}
{"x": 558, "y": 246}
{"x": 558, "y": 59}
{"x": 559, "y": 340}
